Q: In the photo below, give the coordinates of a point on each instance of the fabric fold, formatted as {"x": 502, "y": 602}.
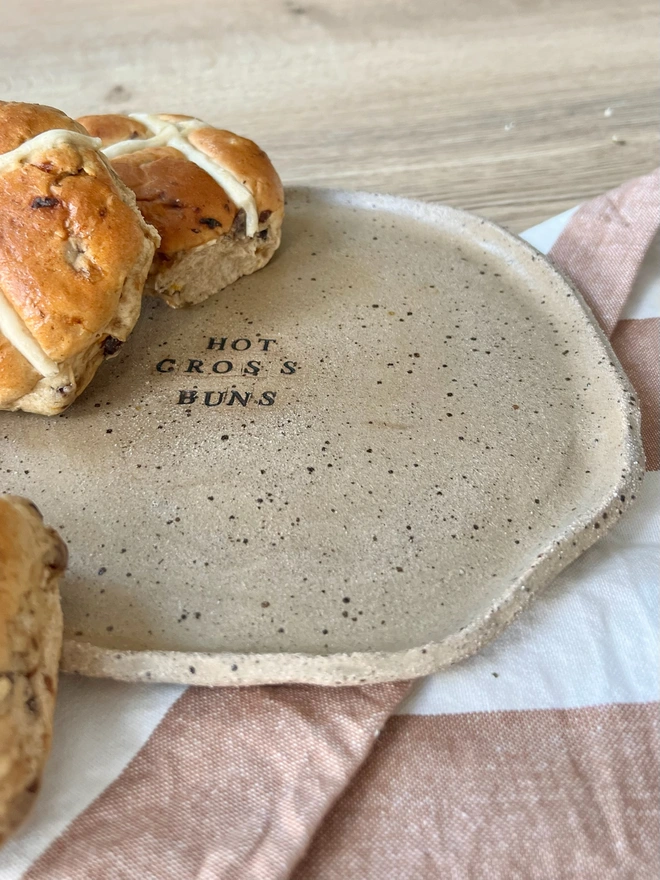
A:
{"x": 605, "y": 242}
{"x": 233, "y": 784}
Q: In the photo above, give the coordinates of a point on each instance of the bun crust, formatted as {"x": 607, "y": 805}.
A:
{"x": 191, "y": 210}
{"x": 17, "y": 376}
{"x": 177, "y": 197}
{"x": 113, "y": 127}
{"x": 20, "y": 122}
{"x": 74, "y": 255}
{"x": 32, "y": 558}
{"x": 246, "y": 161}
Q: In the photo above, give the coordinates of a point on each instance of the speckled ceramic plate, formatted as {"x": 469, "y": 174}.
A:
{"x": 356, "y": 465}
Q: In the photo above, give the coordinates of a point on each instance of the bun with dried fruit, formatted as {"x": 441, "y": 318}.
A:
{"x": 74, "y": 255}
{"x": 214, "y": 197}
{"x": 32, "y": 558}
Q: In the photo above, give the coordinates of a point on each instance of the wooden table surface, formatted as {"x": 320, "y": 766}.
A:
{"x": 515, "y": 109}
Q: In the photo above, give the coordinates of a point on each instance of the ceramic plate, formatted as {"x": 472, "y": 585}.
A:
{"x": 357, "y": 465}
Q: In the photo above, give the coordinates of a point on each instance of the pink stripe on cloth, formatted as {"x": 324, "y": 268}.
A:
{"x": 604, "y": 244}
{"x": 232, "y": 784}
{"x": 546, "y": 794}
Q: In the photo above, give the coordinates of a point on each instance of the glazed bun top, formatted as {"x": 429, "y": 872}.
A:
{"x": 70, "y": 235}
{"x": 192, "y": 181}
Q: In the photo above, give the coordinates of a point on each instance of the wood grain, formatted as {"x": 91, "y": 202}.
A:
{"x": 515, "y": 109}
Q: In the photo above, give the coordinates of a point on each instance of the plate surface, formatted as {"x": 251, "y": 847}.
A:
{"x": 357, "y": 465}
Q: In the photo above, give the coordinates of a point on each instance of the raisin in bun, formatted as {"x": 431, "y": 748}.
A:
{"x": 32, "y": 558}
{"x": 214, "y": 197}
{"x": 74, "y": 256}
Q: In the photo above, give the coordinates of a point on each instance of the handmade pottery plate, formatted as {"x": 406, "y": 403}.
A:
{"x": 357, "y": 465}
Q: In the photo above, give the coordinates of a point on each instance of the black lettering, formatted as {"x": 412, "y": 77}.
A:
{"x": 208, "y": 398}
{"x": 163, "y": 369}
{"x": 217, "y": 343}
{"x": 222, "y": 367}
{"x": 194, "y": 366}
{"x": 241, "y": 398}
{"x": 238, "y": 347}
{"x": 265, "y": 343}
{"x": 187, "y": 396}
{"x": 252, "y": 368}
{"x": 267, "y": 398}
{"x": 289, "y": 367}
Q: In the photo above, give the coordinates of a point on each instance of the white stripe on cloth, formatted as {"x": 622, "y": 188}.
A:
{"x": 644, "y": 301}
{"x": 543, "y": 236}
{"x": 591, "y": 638}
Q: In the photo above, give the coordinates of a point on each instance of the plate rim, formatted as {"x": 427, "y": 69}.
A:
{"x": 227, "y": 668}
